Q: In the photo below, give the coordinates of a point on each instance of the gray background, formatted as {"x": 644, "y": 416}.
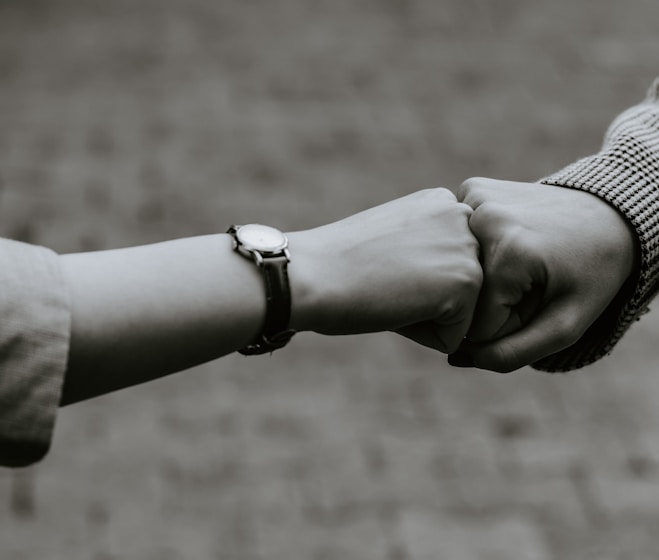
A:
{"x": 127, "y": 122}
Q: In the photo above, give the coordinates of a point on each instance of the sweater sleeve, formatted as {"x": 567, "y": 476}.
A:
{"x": 625, "y": 173}
{"x": 34, "y": 342}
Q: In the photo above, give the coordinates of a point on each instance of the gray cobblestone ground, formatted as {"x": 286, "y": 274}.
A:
{"x": 126, "y": 122}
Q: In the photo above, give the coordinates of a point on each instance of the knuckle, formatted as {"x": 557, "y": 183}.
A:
{"x": 464, "y": 209}
{"x": 440, "y": 203}
{"x": 430, "y": 192}
{"x": 470, "y": 190}
{"x": 466, "y": 271}
{"x": 470, "y": 184}
{"x": 466, "y": 282}
{"x": 472, "y": 277}
{"x": 477, "y": 221}
{"x": 507, "y": 247}
{"x": 490, "y": 219}
{"x": 515, "y": 245}
{"x": 440, "y": 194}
{"x": 495, "y": 209}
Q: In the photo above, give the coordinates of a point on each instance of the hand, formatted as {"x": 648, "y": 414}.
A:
{"x": 410, "y": 265}
{"x": 553, "y": 259}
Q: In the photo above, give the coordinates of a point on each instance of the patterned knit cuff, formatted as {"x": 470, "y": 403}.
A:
{"x": 625, "y": 174}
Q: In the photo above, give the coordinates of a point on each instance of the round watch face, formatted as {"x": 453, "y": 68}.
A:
{"x": 262, "y": 238}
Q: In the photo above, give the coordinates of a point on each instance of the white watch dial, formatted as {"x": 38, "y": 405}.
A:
{"x": 262, "y": 238}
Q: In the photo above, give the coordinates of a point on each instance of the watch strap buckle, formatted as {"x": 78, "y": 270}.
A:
{"x": 266, "y": 345}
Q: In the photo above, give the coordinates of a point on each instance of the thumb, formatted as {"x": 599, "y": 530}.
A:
{"x": 505, "y": 307}
{"x": 553, "y": 329}
{"x": 444, "y": 335}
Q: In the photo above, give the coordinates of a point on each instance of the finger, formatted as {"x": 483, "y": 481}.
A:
{"x": 444, "y": 338}
{"x": 441, "y": 193}
{"x": 451, "y": 336}
{"x": 452, "y": 326}
{"x": 491, "y": 315}
{"x": 514, "y": 280}
{"x": 491, "y": 311}
{"x": 552, "y": 330}
{"x": 504, "y": 308}
{"x": 423, "y": 333}
{"x": 475, "y": 191}
{"x": 431, "y": 335}
{"x": 449, "y": 332}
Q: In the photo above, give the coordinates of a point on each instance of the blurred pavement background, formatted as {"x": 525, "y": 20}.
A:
{"x": 128, "y": 122}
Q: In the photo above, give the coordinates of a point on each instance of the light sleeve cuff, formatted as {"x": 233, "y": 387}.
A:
{"x": 34, "y": 342}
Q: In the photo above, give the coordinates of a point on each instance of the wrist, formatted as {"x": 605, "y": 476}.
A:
{"x": 308, "y": 312}
{"x": 267, "y": 247}
{"x": 616, "y": 226}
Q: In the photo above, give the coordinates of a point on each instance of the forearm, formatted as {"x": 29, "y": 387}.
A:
{"x": 144, "y": 312}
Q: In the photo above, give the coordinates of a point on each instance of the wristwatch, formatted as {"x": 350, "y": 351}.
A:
{"x": 267, "y": 247}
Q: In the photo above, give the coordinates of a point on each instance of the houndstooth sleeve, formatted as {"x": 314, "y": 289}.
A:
{"x": 625, "y": 173}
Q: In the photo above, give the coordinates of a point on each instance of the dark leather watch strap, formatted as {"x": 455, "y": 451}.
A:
{"x": 276, "y": 333}
{"x": 278, "y": 296}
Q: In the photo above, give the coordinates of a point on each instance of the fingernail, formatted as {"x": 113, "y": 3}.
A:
{"x": 461, "y": 359}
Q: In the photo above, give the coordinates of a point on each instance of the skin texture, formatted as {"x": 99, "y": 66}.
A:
{"x": 553, "y": 259}
{"x": 410, "y": 265}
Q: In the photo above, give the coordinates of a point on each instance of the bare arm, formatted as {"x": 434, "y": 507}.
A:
{"x": 140, "y": 313}
{"x": 143, "y": 312}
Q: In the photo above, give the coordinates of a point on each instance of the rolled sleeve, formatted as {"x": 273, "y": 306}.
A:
{"x": 34, "y": 340}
